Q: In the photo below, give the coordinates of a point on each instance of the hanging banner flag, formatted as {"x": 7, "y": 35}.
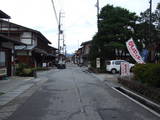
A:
{"x": 134, "y": 51}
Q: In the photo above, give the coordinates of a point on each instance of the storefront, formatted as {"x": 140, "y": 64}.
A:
{"x": 7, "y": 54}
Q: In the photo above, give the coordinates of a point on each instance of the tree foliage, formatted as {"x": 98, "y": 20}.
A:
{"x": 116, "y": 26}
{"x": 148, "y": 34}
{"x": 157, "y": 16}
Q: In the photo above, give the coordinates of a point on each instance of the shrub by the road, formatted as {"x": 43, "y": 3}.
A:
{"x": 146, "y": 91}
{"x": 148, "y": 74}
{"x": 24, "y": 70}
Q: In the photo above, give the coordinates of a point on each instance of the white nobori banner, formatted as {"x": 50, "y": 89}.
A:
{"x": 124, "y": 69}
{"x": 134, "y": 51}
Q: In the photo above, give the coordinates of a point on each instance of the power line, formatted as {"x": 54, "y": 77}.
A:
{"x": 55, "y": 11}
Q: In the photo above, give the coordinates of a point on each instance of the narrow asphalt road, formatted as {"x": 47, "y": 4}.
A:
{"x": 74, "y": 94}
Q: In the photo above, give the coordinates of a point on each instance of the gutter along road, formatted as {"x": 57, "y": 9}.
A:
{"x": 75, "y": 94}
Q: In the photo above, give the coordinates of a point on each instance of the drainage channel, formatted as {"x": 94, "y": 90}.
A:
{"x": 149, "y": 105}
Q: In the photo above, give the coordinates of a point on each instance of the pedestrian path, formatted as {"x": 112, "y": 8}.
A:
{"x": 13, "y": 82}
{"x": 16, "y": 91}
{"x": 15, "y": 86}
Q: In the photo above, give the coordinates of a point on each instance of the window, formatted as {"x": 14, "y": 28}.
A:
{"x": 26, "y": 38}
{"x": 118, "y": 62}
{"x": 26, "y": 41}
{"x": 2, "y": 59}
{"x": 26, "y": 35}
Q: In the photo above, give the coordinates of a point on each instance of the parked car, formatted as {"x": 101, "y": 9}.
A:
{"x": 113, "y": 66}
{"x": 61, "y": 65}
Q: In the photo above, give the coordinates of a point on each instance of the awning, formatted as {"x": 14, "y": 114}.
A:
{"x": 8, "y": 39}
{"x": 40, "y": 51}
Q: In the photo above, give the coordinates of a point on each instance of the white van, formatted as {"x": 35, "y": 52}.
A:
{"x": 113, "y": 66}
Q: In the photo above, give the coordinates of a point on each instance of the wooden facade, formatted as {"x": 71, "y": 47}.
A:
{"x": 7, "y": 51}
{"x": 36, "y": 52}
{"x": 52, "y": 52}
{"x": 5, "y": 61}
{"x": 86, "y": 46}
{"x": 7, "y": 55}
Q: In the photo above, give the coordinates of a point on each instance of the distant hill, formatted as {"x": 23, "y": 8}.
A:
{"x": 69, "y": 54}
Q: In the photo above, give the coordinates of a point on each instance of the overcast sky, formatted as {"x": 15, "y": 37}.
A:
{"x": 79, "y": 21}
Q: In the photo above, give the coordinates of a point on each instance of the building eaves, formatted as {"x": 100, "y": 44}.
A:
{"x": 8, "y": 39}
{"x": 29, "y": 29}
{"x": 52, "y": 48}
{"x": 4, "y": 15}
{"x": 80, "y": 49}
{"x": 87, "y": 42}
{"x": 40, "y": 51}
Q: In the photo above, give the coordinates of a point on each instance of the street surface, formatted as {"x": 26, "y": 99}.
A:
{"x": 75, "y": 94}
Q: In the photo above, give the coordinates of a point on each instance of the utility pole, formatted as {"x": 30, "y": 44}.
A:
{"x": 61, "y": 41}
{"x": 150, "y": 21}
{"x": 63, "y": 45}
{"x": 97, "y": 5}
{"x": 59, "y": 33}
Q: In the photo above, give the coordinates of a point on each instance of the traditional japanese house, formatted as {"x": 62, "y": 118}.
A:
{"x": 36, "y": 52}
{"x": 86, "y": 46}
{"x": 7, "y": 52}
{"x": 79, "y": 54}
{"x": 52, "y": 52}
{"x": 7, "y": 55}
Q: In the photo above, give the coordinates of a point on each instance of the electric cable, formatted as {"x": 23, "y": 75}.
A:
{"x": 55, "y": 11}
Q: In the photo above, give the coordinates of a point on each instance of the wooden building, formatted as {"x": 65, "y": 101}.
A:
{"x": 7, "y": 55}
{"x": 52, "y": 55}
{"x": 78, "y": 57}
{"x": 86, "y": 46}
{"x": 35, "y": 54}
{"x": 7, "y": 52}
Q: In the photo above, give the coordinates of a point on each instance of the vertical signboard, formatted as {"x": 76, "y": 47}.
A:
{"x": 98, "y": 62}
{"x": 44, "y": 64}
{"x": 124, "y": 69}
